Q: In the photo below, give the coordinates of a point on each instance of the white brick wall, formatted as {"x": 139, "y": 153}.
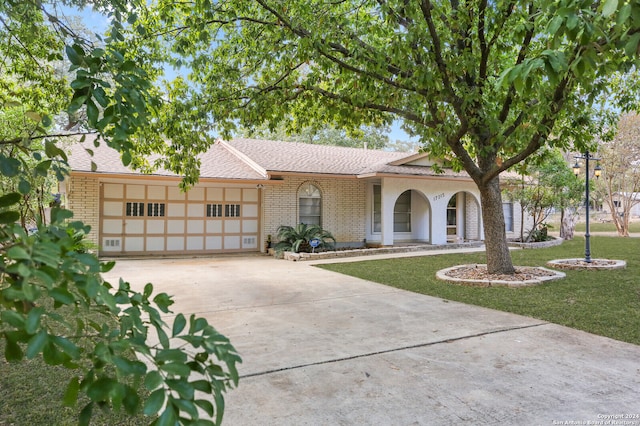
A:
{"x": 83, "y": 198}
{"x": 343, "y": 206}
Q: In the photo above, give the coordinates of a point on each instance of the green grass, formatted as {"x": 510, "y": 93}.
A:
{"x": 31, "y": 393}
{"x": 606, "y": 227}
{"x": 600, "y": 302}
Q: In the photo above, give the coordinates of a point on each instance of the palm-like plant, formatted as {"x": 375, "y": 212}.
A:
{"x": 296, "y": 239}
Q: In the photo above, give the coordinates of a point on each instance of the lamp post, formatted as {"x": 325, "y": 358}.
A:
{"x": 596, "y": 172}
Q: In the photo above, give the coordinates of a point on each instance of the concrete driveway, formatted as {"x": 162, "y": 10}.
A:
{"x": 320, "y": 348}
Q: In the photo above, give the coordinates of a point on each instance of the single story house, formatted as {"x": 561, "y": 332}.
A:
{"x": 248, "y": 188}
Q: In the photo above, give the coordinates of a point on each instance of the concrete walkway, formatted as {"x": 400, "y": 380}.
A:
{"x": 320, "y": 348}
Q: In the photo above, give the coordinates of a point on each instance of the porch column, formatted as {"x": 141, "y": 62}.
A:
{"x": 439, "y": 220}
{"x": 388, "y": 201}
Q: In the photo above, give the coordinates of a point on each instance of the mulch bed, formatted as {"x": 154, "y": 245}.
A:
{"x": 479, "y": 272}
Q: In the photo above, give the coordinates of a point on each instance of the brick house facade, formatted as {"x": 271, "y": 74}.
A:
{"x": 249, "y": 188}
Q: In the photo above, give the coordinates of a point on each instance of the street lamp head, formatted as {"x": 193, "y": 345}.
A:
{"x": 597, "y": 171}
{"x": 576, "y": 168}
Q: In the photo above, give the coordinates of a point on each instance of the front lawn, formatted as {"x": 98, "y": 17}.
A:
{"x": 600, "y": 302}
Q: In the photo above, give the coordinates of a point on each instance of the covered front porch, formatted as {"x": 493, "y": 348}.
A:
{"x": 427, "y": 211}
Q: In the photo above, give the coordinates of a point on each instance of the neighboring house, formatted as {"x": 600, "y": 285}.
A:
{"x": 248, "y": 188}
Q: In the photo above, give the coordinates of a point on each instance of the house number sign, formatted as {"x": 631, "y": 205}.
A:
{"x": 437, "y": 197}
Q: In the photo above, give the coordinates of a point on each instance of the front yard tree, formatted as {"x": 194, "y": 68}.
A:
{"x": 620, "y": 161}
{"x": 489, "y": 82}
{"x": 54, "y": 302}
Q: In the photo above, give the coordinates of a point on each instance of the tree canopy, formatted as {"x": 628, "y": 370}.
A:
{"x": 54, "y": 302}
{"x": 489, "y": 82}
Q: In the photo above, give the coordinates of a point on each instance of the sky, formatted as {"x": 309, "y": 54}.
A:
{"x": 98, "y": 23}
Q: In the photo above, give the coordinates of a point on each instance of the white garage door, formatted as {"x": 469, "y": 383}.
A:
{"x": 160, "y": 219}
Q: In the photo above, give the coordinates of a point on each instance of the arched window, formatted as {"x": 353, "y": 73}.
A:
{"x": 402, "y": 213}
{"x": 310, "y": 202}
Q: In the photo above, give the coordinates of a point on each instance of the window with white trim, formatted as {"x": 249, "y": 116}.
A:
{"x": 377, "y": 208}
{"x": 134, "y": 209}
{"x": 310, "y": 204}
{"x": 402, "y": 213}
{"x": 507, "y": 211}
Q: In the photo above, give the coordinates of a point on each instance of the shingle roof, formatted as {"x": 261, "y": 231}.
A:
{"x": 276, "y": 156}
{"x": 253, "y": 159}
{"x": 216, "y": 163}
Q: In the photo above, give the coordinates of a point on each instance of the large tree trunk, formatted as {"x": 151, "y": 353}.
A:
{"x": 568, "y": 224}
{"x": 498, "y": 256}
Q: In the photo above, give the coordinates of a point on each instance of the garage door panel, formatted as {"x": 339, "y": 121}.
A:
{"x": 250, "y": 195}
{"x": 175, "y": 210}
{"x": 250, "y": 210}
{"x": 134, "y": 226}
{"x": 249, "y": 226}
{"x": 195, "y": 226}
{"x": 182, "y": 223}
{"x": 175, "y": 243}
{"x": 114, "y": 190}
{"x": 175, "y": 227}
{"x": 195, "y": 210}
{"x": 213, "y": 243}
{"x": 112, "y": 226}
{"x": 233, "y": 194}
{"x": 157, "y": 192}
{"x": 232, "y": 242}
{"x": 155, "y": 226}
{"x": 155, "y": 244}
{"x": 214, "y": 227}
{"x": 231, "y": 226}
{"x": 112, "y": 208}
{"x": 135, "y": 192}
{"x": 195, "y": 243}
{"x": 134, "y": 243}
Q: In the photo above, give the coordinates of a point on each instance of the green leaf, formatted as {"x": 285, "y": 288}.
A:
{"x": 24, "y": 187}
{"x": 9, "y": 167}
{"x": 176, "y": 369}
{"x": 184, "y": 388}
{"x": 9, "y": 217}
{"x": 154, "y": 403}
{"x": 18, "y": 252}
{"x": 34, "y": 116}
{"x": 85, "y": 415}
{"x": 609, "y": 8}
{"x": 168, "y": 417}
{"x": 163, "y": 300}
{"x": 631, "y": 46}
{"x": 73, "y": 56}
{"x": 46, "y": 120}
{"x": 42, "y": 168}
{"x": 52, "y": 150}
{"x": 202, "y": 386}
{"x": 62, "y": 295}
{"x": 171, "y": 355}
{"x": 13, "y": 351}
{"x": 206, "y": 406}
{"x": 153, "y": 380}
{"x": 37, "y": 343}
{"x": 92, "y": 111}
{"x": 128, "y": 367}
{"x": 12, "y": 318}
{"x": 33, "y": 320}
{"x": 71, "y": 394}
{"x": 10, "y": 199}
{"x": 67, "y": 346}
{"x": 178, "y": 324}
{"x": 101, "y": 389}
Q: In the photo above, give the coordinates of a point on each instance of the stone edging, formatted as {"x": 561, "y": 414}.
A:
{"x": 287, "y": 255}
{"x": 442, "y": 275}
{"x": 579, "y": 264}
{"x": 542, "y": 244}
